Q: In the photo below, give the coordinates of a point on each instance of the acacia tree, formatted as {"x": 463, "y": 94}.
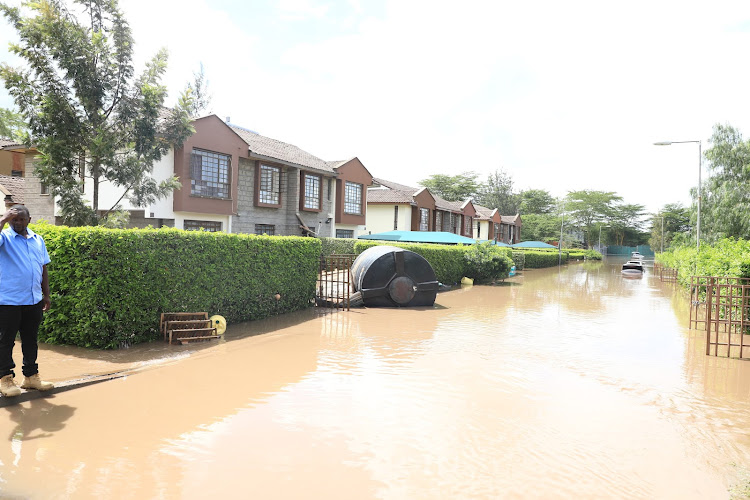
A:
{"x": 87, "y": 113}
{"x": 672, "y": 220}
{"x": 536, "y": 201}
{"x": 587, "y": 208}
{"x": 452, "y": 187}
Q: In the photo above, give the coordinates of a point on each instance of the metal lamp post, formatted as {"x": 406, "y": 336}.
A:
{"x": 662, "y": 231}
{"x": 700, "y": 156}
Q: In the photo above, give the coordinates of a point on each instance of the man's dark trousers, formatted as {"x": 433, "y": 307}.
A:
{"x": 24, "y": 320}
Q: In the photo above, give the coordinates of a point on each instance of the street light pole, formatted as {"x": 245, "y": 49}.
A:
{"x": 700, "y": 158}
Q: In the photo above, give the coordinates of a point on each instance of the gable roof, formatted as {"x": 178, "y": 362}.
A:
{"x": 484, "y": 213}
{"x": 8, "y": 142}
{"x": 389, "y": 196}
{"x": 13, "y": 187}
{"x": 272, "y": 149}
{"x": 394, "y": 185}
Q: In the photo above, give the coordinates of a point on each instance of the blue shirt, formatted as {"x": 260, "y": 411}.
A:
{"x": 21, "y": 263}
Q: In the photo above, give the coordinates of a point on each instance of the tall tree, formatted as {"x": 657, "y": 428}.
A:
{"x": 498, "y": 193}
{"x": 536, "y": 201}
{"x": 86, "y": 108}
{"x": 726, "y": 195}
{"x": 587, "y": 208}
{"x": 12, "y": 125}
{"x": 626, "y": 220}
{"x": 673, "y": 219}
{"x": 452, "y": 187}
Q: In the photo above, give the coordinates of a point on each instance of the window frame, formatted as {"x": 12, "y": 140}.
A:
{"x": 424, "y": 219}
{"x": 350, "y": 232}
{"x": 303, "y": 192}
{"x": 213, "y": 186}
{"x": 358, "y": 202}
{"x": 261, "y": 229}
{"x": 209, "y": 226}
{"x": 259, "y": 192}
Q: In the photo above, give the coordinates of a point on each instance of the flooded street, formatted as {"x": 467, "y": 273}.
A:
{"x": 572, "y": 383}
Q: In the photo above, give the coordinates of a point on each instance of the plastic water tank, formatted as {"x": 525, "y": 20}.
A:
{"x": 393, "y": 277}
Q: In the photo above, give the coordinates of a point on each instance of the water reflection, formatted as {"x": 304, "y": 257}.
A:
{"x": 567, "y": 382}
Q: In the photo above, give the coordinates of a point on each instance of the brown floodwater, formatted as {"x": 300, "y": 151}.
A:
{"x": 561, "y": 383}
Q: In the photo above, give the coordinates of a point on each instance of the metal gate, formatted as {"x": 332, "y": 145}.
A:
{"x": 721, "y": 306}
{"x": 333, "y": 287}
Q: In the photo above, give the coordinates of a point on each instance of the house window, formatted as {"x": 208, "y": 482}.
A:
{"x": 44, "y": 189}
{"x": 479, "y": 230}
{"x": 270, "y": 185}
{"x": 268, "y": 229}
{"x": 424, "y": 217}
{"x": 16, "y": 173}
{"x": 438, "y": 221}
{"x": 395, "y": 217}
{"x": 209, "y": 174}
{"x": 202, "y": 225}
{"x": 467, "y": 226}
{"x": 497, "y": 232}
{"x": 353, "y": 198}
{"x": 454, "y": 223}
{"x": 312, "y": 192}
{"x": 345, "y": 233}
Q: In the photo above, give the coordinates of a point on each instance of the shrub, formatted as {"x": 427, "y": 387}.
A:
{"x": 337, "y": 246}
{"x": 109, "y": 286}
{"x": 519, "y": 259}
{"x": 727, "y": 257}
{"x": 485, "y": 261}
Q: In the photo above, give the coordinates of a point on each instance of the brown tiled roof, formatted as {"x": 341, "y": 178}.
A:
{"x": 389, "y": 196}
{"x": 8, "y": 142}
{"x": 449, "y": 206}
{"x": 394, "y": 185}
{"x": 509, "y": 219}
{"x": 13, "y": 185}
{"x": 271, "y": 148}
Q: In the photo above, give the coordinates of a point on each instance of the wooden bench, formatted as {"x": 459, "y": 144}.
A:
{"x": 184, "y": 327}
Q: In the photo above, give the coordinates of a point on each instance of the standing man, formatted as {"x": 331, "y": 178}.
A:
{"x": 24, "y": 296}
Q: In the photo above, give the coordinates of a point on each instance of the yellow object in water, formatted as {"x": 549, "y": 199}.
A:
{"x": 219, "y": 323}
{"x": 467, "y": 281}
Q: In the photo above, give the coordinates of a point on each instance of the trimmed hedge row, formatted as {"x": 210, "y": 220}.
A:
{"x": 580, "y": 254}
{"x": 538, "y": 259}
{"x": 109, "y": 286}
{"x": 450, "y": 262}
{"x": 338, "y": 246}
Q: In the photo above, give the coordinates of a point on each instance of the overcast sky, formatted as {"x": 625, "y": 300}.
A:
{"x": 562, "y": 95}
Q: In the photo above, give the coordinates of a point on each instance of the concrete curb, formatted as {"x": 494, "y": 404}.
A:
{"x": 64, "y": 386}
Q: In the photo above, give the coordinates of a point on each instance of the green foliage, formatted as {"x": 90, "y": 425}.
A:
{"x": 12, "y": 125}
{"x": 338, "y": 245}
{"x": 452, "y": 187}
{"x": 498, "y": 193}
{"x": 586, "y": 208}
{"x": 541, "y": 227}
{"x": 536, "y": 201}
{"x": 673, "y": 219}
{"x": 519, "y": 259}
{"x": 727, "y": 257}
{"x": 486, "y": 261}
{"x": 84, "y": 105}
{"x": 109, "y": 286}
{"x": 536, "y": 259}
{"x": 726, "y": 194}
{"x": 581, "y": 254}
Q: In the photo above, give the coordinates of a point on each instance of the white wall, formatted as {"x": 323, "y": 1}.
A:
{"x": 380, "y": 218}
{"x": 358, "y": 229}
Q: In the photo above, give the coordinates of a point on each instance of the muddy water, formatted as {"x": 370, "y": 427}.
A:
{"x": 561, "y": 384}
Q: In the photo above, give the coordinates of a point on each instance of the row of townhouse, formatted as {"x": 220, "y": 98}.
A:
{"x": 238, "y": 181}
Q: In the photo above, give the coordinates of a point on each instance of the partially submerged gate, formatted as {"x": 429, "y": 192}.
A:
{"x": 721, "y": 306}
{"x": 333, "y": 288}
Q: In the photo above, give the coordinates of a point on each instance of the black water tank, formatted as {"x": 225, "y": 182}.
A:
{"x": 393, "y": 277}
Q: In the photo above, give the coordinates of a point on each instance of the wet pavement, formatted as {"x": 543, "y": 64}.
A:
{"x": 570, "y": 383}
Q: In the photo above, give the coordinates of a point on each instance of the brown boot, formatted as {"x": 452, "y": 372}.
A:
{"x": 35, "y": 382}
{"x": 8, "y": 387}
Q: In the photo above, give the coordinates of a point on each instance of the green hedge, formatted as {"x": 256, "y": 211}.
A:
{"x": 580, "y": 254}
{"x": 537, "y": 259}
{"x": 727, "y": 257}
{"x": 109, "y": 286}
{"x": 519, "y": 259}
{"x": 338, "y": 245}
{"x": 450, "y": 262}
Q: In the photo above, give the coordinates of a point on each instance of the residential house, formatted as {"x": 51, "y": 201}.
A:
{"x": 236, "y": 180}
{"x": 455, "y": 216}
{"x": 12, "y": 190}
{"x": 392, "y": 206}
{"x": 510, "y": 229}
{"x": 487, "y": 223}
{"x": 11, "y": 158}
{"x": 352, "y": 182}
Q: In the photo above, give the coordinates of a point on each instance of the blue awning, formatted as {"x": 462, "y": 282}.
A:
{"x": 533, "y": 244}
{"x": 439, "y": 237}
